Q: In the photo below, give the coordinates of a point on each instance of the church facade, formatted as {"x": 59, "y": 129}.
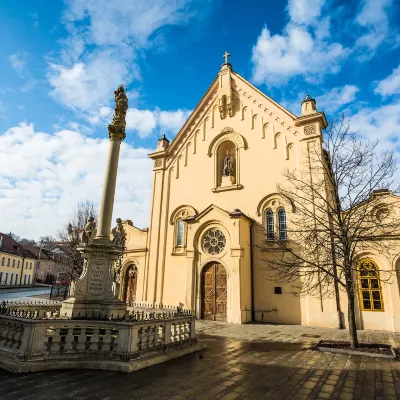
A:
{"x": 214, "y": 186}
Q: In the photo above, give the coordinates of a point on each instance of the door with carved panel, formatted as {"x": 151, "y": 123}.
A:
{"x": 214, "y": 292}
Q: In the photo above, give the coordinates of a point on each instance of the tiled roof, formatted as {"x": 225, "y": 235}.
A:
{"x": 10, "y": 246}
{"x": 36, "y": 251}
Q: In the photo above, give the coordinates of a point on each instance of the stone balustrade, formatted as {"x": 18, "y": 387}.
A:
{"x": 37, "y": 344}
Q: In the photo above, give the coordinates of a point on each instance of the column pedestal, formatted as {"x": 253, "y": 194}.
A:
{"x": 93, "y": 294}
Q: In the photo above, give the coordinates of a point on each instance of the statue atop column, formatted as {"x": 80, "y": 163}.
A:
{"x": 228, "y": 164}
{"x": 121, "y": 106}
{"x": 117, "y": 127}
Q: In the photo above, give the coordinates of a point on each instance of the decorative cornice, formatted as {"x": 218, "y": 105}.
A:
{"x": 308, "y": 119}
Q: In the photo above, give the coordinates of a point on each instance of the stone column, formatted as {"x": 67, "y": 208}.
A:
{"x": 110, "y": 180}
{"x": 93, "y": 294}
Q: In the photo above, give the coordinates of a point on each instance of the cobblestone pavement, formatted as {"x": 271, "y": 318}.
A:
{"x": 241, "y": 362}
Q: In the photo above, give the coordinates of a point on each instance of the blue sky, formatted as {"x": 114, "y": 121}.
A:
{"x": 61, "y": 60}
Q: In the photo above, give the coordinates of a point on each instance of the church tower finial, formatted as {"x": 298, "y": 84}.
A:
{"x": 308, "y": 106}
{"x": 226, "y": 64}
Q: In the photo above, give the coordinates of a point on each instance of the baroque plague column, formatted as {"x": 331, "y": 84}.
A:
{"x": 94, "y": 293}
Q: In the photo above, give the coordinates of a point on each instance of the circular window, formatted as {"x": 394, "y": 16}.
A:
{"x": 214, "y": 241}
{"x": 381, "y": 214}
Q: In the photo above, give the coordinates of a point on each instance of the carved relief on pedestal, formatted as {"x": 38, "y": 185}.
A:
{"x": 157, "y": 163}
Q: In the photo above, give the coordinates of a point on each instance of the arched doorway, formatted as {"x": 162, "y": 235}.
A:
{"x": 213, "y": 292}
{"x": 131, "y": 276}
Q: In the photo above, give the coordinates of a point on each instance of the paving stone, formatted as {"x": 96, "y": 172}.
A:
{"x": 241, "y": 362}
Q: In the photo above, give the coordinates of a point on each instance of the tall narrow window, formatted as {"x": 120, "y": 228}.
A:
{"x": 179, "y": 233}
{"x": 269, "y": 225}
{"x": 370, "y": 287}
{"x": 1, "y": 278}
{"x": 282, "y": 224}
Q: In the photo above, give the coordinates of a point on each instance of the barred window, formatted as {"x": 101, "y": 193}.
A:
{"x": 282, "y": 224}
{"x": 269, "y": 224}
{"x": 370, "y": 287}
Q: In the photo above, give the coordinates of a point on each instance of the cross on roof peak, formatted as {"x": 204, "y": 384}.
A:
{"x": 226, "y": 55}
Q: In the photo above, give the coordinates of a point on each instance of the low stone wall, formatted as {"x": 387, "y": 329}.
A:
{"x": 44, "y": 306}
{"x": 31, "y": 343}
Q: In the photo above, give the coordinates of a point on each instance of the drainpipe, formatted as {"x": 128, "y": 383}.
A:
{"x": 22, "y": 270}
{"x": 251, "y": 271}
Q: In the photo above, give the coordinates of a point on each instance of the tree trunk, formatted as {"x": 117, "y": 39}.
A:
{"x": 352, "y": 318}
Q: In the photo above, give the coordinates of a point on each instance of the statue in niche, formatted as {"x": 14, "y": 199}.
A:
{"x": 89, "y": 231}
{"x": 119, "y": 235}
{"x": 228, "y": 164}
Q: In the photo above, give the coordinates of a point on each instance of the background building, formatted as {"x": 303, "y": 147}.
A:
{"x": 17, "y": 264}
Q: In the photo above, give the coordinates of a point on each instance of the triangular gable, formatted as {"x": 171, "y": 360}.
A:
{"x": 206, "y": 211}
{"x": 248, "y": 95}
{"x": 283, "y": 109}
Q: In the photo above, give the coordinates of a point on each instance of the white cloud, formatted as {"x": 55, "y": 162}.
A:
{"x": 304, "y": 48}
{"x": 336, "y": 98}
{"x": 305, "y": 11}
{"x": 43, "y": 176}
{"x": 104, "y": 38}
{"x": 145, "y": 122}
{"x": 113, "y": 22}
{"x": 85, "y": 86}
{"x": 172, "y": 121}
{"x": 390, "y": 85}
{"x": 142, "y": 121}
{"x": 297, "y": 52}
{"x": 308, "y": 46}
{"x": 18, "y": 62}
{"x": 373, "y": 17}
{"x": 380, "y": 123}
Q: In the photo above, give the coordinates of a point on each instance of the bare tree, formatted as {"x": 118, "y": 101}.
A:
{"x": 22, "y": 240}
{"x": 47, "y": 242}
{"x": 72, "y": 262}
{"x": 338, "y": 213}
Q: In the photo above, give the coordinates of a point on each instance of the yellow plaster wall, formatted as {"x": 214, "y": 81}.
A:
{"x": 4, "y": 269}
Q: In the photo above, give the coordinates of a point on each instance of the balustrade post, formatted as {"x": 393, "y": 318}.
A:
{"x": 168, "y": 333}
{"x": 192, "y": 328}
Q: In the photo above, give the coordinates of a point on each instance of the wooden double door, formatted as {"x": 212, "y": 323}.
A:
{"x": 214, "y": 292}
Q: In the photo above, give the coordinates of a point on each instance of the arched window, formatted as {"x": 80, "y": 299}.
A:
{"x": 282, "y": 224}
{"x": 179, "y": 233}
{"x": 370, "y": 287}
{"x": 269, "y": 224}
{"x": 131, "y": 276}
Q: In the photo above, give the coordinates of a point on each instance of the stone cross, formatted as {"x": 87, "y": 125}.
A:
{"x": 226, "y": 55}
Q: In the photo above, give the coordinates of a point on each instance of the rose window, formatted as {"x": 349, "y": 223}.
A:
{"x": 214, "y": 241}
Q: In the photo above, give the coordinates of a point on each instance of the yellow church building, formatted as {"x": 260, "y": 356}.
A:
{"x": 212, "y": 185}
